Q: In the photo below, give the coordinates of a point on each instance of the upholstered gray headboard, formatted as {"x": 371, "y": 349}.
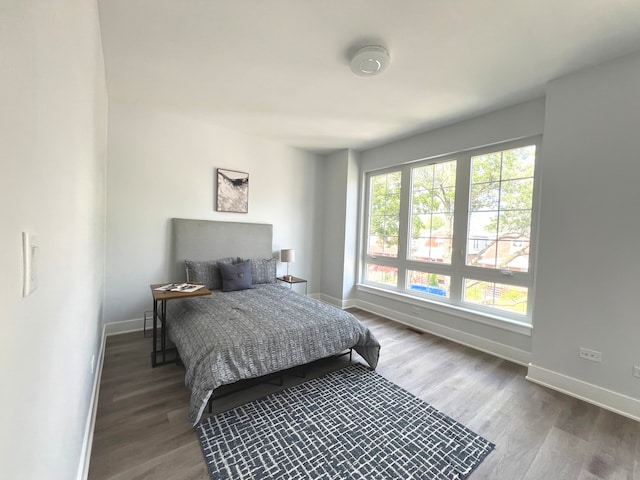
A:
{"x": 202, "y": 240}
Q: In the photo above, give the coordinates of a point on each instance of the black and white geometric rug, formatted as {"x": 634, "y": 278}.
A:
{"x": 348, "y": 424}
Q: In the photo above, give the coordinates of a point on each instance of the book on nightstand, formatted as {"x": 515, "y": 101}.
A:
{"x": 180, "y": 287}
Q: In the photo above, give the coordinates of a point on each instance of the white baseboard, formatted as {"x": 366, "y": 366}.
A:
{"x": 336, "y": 302}
{"x": 601, "y": 397}
{"x": 349, "y": 303}
{"x": 126, "y": 326}
{"x": 85, "y": 454}
{"x": 501, "y": 350}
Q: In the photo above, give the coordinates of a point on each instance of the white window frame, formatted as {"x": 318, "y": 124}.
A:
{"x": 457, "y": 270}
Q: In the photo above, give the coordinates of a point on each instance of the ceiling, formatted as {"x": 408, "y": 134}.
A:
{"x": 279, "y": 69}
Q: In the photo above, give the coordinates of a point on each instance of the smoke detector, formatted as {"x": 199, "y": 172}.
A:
{"x": 370, "y": 60}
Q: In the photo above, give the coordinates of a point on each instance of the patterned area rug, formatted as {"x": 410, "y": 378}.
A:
{"x": 349, "y": 424}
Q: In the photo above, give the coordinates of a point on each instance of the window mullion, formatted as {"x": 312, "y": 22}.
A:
{"x": 460, "y": 226}
{"x": 404, "y": 235}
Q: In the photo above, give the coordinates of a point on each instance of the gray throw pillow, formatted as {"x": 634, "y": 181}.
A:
{"x": 235, "y": 277}
{"x": 206, "y": 273}
{"x": 263, "y": 270}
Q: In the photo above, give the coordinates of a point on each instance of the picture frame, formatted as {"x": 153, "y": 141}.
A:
{"x": 232, "y": 191}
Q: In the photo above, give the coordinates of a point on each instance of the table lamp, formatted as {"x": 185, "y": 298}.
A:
{"x": 287, "y": 256}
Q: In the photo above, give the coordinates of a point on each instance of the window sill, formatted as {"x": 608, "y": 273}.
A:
{"x": 503, "y": 323}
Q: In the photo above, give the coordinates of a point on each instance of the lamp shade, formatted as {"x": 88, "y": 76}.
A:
{"x": 288, "y": 255}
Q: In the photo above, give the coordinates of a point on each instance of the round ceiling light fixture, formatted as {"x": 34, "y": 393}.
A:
{"x": 369, "y": 61}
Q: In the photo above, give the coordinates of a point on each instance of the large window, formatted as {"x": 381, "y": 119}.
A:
{"x": 456, "y": 230}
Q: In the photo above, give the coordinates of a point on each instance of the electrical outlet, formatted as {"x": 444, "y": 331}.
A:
{"x": 636, "y": 371}
{"x": 592, "y": 355}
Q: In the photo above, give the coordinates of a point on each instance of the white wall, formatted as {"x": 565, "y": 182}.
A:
{"x": 162, "y": 165}
{"x": 340, "y": 230}
{"x": 519, "y": 121}
{"x": 588, "y": 261}
{"x": 334, "y": 224}
{"x": 53, "y": 150}
{"x": 352, "y": 215}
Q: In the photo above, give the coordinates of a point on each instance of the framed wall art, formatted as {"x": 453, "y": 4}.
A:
{"x": 232, "y": 193}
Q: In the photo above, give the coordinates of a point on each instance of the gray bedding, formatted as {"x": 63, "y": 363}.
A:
{"x": 233, "y": 336}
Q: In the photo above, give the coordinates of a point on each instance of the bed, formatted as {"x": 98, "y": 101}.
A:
{"x": 257, "y": 329}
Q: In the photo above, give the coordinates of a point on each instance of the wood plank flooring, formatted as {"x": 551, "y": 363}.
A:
{"x": 142, "y": 431}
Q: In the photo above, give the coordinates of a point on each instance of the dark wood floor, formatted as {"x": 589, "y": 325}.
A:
{"x": 142, "y": 430}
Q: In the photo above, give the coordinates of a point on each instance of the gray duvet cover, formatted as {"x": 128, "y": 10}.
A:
{"x": 231, "y": 336}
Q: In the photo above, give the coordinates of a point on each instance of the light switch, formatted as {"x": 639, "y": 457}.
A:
{"x": 30, "y": 261}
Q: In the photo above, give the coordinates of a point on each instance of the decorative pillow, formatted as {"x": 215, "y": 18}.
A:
{"x": 206, "y": 273}
{"x": 263, "y": 270}
{"x": 235, "y": 277}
